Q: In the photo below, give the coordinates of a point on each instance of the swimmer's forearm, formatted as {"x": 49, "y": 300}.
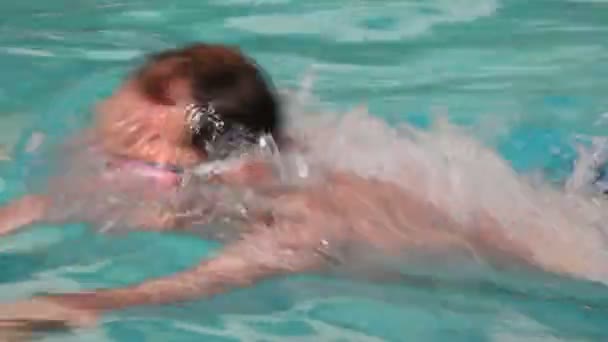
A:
{"x": 22, "y": 212}
{"x": 240, "y": 266}
{"x": 197, "y": 283}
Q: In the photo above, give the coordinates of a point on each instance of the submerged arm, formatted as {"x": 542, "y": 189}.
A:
{"x": 22, "y": 212}
{"x": 241, "y": 264}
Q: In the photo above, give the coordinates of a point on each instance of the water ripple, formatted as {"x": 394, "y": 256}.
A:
{"x": 392, "y": 21}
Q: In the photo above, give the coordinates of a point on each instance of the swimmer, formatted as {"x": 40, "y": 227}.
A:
{"x": 182, "y": 101}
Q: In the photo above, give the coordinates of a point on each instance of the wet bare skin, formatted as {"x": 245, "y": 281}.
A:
{"x": 304, "y": 230}
{"x": 307, "y": 230}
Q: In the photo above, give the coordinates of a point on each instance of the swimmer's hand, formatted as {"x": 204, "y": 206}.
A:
{"x": 43, "y": 314}
{"x": 22, "y": 212}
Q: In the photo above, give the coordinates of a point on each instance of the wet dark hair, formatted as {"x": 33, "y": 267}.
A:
{"x": 238, "y": 89}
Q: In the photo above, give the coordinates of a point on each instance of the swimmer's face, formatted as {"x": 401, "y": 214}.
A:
{"x": 131, "y": 123}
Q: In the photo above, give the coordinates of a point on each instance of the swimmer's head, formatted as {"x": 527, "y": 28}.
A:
{"x": 197, "y": 97}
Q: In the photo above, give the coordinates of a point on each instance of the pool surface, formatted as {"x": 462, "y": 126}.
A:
{"x": 534, "y": 74}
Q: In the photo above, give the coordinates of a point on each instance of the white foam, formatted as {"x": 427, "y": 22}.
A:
{"x": 449, "y": 168}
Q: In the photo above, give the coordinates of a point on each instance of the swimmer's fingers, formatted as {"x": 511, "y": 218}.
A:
{"x": 33, "y": 325}
{"x": 43, "y": 314}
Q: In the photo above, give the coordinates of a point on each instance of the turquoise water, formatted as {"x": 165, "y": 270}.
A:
{"x": 538, "y": 67}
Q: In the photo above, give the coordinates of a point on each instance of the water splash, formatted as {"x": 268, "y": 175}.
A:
{"x": 448, "y": 167}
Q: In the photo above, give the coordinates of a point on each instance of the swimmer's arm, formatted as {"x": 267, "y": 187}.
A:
{"x": 240, "y": 265}
{"x": 22, "y": 212}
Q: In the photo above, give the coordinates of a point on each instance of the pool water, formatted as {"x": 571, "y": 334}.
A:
{"x": 538, "y": 67}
